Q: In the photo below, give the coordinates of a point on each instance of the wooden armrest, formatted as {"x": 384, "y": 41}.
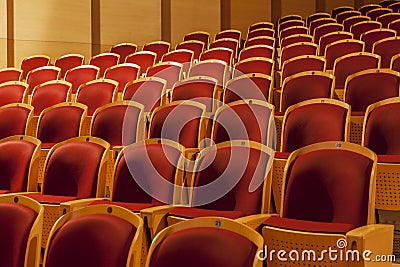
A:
{"x": 77, "y": 204}
{"x": 374, "y": 240}
{"x": 155, "y": 217}
{"x": 255, "y": 221}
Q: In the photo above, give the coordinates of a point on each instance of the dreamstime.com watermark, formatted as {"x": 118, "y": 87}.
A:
{"x": 340, "y": 253}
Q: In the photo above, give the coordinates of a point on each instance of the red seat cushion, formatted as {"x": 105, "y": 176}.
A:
{"x": 129, "y": 206}
{"x": 190, "y": 213}
{"x": 4, "y": 191}
{"x": 282, "y": 155}
{"x": 308, "y": 226}
{"x": 15, "y": 225}
{"x": 50, "y": 199}
{"x": 389, "y": 158}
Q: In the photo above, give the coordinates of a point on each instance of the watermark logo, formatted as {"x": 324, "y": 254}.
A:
{"x": 331, "y": 254}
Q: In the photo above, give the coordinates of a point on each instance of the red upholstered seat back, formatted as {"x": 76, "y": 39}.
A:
{"x": 244, "y": 121}
{"x": 252, "y": 86}
{"x": 198, "y": 36}
{"x": 144, "y": 59}
{"x": 167, "y": 71}
{"x": 123, "y": 50}
{"x": 117, "y": 124}
{"x": 198, "y": 247}
{"x": 213, "y": 69}
{"x": 96, "y": 94}
{"x": 15, "y": 225}
{"x": 11, "y": 92}
{"x": 10, "y": 74}
{"x": 328, "y": 185}
{"x": 48, "y": 95}
{"x": 72, "y": 170}
{"x": 199, "y": 90}
{"x": 15, "y": 158}
{"x": 382, "y": 128}
{"x": 59, "y": 124}
{"x": 234, "y": 169}
{"x": 146, "y": 92}
{"x": 68, "y": 62}
{"x": 313, "y": 123}
{"x": 80, "y": 75}
{"x": 370, "y": 87}
{"x": 160, "y": 48}
{"x": 41, "y": 75}
{"x": 33, "y": 62}
{"x": 179, "y": 123}
{"x": 122, "y": 73}
{"x": 104, "y": 61}
{"x": 253, "y": 65}
{"x": 143, "y": 173}
{"x": 92, "y": 240}
{"x": 13, "y": 120}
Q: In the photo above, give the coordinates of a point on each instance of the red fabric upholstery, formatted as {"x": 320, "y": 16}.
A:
{"x": 347, "y": 14}
{"x": 181, "y": 56}
{"x": 220, "y": 54}
{"x": 340, "y": 49}
{"x": 316, "y": 23}
{"x": 49, "y": 95}
{"x": 15, "y": 225}
{"x": 227, "y": 168}
{"x": 143, "y": 59}
{"x": 7, "y": 75}
{"x": 293, "y": 31}
{"x": 375, "y": 13}
{"x": 177, "y": 122}
{"x": 170, "y": 73}
{"x": 309, "y": 226}
{"x": 381, "y": 131}
{"x": 81, "y": 75}
{"x": 141, "y": 171}
{"x": 387, "y": 49}
{"x": 255, "y": 65}
{"x": 371, "y": 87}
{"x": 199, "y": 247}
{"x": 325, "y": 29}
{"x": 389, "y": 158}
{"x": 305, "y": 87}
{"x": 257, "y": 51}
{"x": 328, "y": 186}
{"x": 191, "y": 213}
{"x": 302, "y": 64}
{"x": 388, "y": 18}
{"x": 159, "y": 48}
{"x": 363, "y": 27}
{"x": 313, "y": 123}
{"x": 330, "y": 38}
{"x": 13, "y": 121}
{"x": 104, "y": 61}
{"x": 371, "y": 37}
{"x": 199, "y": 90}
{"x": 289, "y": 23}
{"x": 352, "y": 64}
{"x": 135, "y": 207}
{"x": 198, "y": 36}
{"x": 349, "y": 22}
{"x": 11, "y": 93}
{"x": 72, "y": 170}
{"x": 4, "y": 192}
{"x": 301, "y": 49}
{"x": 251, "y": 87}
{"x": 395, "y": 25}
{"x": 68, "y": 62}
{"x": 15, "y": 158}
{"x": 196, "y": 47}
{"x": 297, "y": 38}
{"x": 117, "y": 124}
{"x": 93, "y": 240}
{"x": 50, "y": 199}
{"x": 123, "y": 74}
{"x": 40, "y": 76}
{"x": 228, "y": 34}
{"x": 123, "y": 50}
{"x": 243, "y": 122}
{"x": 32, "y": 63}
{"x": 227, "y": 43}
{"x": 95, "y": 95}
{"x": 148, "y": 93}
{"x": 59, "y": 124}
{"x": 211, "y": 69}
{"x": 281, "y": 155}
{"x": 270, "y": 41}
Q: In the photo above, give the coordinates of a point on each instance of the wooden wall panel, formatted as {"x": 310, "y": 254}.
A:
{"x": 52, "y": 27}
{"x": 3, "y": 33}
{"x": 138, "y": 22}
{"x": 245, "y": 13}
{"x": 188, "y": 16}
{"x": 303, "y": 8}
{"x": 329, "y": 4}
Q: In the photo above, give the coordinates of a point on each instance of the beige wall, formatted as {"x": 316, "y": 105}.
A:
{"x": 188, "y": 16}
{"x": 52, "y": 27}
{"x": 245, "y": 13}
{"x": 3, "y": 34}
{"x": 330, "y": 4}
{"x": 138, "y": 22}
{"x": 303, "y": 8}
